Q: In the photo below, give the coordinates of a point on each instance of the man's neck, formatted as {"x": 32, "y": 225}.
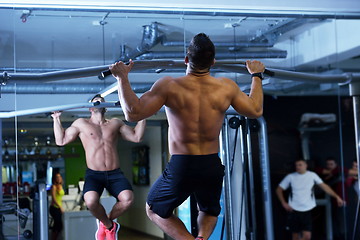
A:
{"x": 97, "y": 118}
{"x": 196, "y": 72}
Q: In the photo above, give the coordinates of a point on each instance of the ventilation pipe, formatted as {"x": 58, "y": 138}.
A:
{"x": 151, "y": 37}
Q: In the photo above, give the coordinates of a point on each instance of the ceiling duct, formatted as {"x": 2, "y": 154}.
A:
{"x": 151, "y": 36}
{"x": 155, "y": 33}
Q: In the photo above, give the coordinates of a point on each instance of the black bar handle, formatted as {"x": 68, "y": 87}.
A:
{"x": 268, "y": 72}
{"x": 106, "y": 73}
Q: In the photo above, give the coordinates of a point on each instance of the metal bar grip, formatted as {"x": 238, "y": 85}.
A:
{"x": 106, "y": 73}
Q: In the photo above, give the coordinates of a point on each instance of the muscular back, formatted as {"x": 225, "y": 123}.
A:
{"x": 100, "y": 142}
{"x": 195, "y": 109}
{"x": 195, "y": 105}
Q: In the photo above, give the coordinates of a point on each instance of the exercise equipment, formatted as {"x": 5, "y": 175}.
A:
{"x": 59, "y": 108}
{"x": 106, "y": 73}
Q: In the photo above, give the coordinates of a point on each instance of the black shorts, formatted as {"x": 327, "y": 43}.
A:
{"x": 184, "y": 175}
{"x": 300, "y": 221}
{"x": 114, "y": 181}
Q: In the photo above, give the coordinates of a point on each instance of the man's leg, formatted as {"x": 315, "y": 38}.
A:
{"x": 172, "y": 226}
{"x": 296, "y": 236}
{"x": 92, "y": 200}
{"x": 306, "y": 235}
{"x": 126, "y": 199}
{"x": 206, "y": 224}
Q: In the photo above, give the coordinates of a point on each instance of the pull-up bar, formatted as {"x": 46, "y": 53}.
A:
{"x": 59, "y": 108}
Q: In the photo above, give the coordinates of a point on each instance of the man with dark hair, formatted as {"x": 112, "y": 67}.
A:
{"x": 302, "y": 199}
{"x": 333, "y": 175}
{"x": 195, "y": 106}
{"x": 99, "y": 137}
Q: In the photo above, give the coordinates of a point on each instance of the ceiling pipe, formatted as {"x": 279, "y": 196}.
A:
{"x": 166, "y": 43}
{"x": 83, "y": 72}
{"x": 68, "y": 88}
{"x": 303, "y": 13}
{"x": 155, "y": 33}
{"x": 235, "y": 67}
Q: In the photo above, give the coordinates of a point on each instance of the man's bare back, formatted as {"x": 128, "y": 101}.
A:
{"x": 195, "y": 107}
{"x": 195, "y": 111}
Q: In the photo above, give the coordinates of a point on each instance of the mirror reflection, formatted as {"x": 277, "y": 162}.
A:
{"x": 52, "y": 59}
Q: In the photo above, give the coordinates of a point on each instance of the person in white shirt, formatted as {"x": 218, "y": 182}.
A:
{"x": 302, "y": 199}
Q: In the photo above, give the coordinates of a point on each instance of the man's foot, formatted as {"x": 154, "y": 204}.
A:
{"x": 100, "y": 232}
{"x": 112, "y": 233}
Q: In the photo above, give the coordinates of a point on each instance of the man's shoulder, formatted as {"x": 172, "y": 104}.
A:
{"x": 116, "y": 121}
{"x": 80, "y": 122}
{"x": 311, "y": 173}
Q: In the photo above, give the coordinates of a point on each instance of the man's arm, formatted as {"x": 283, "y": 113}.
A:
{"x": 251, "y": 106}
{"x": 280, "y": 195}
{"x": 135, "y": 108}
{"x": 133, "y": 134}
{"x": 62, "y": 136}
{"x": 331, "y": 192}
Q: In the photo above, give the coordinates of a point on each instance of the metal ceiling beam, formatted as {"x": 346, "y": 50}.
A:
{"x": 187, "y": 11}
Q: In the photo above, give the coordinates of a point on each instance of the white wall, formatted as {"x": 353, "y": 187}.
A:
{"x": 136, "y": 217}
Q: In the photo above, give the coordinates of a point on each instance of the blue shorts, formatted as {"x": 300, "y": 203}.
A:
{"x": 114, "y": 181}
{"x": 184, "y": 175}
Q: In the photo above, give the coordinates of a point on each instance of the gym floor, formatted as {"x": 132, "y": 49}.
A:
{"x": 128, "y": 234}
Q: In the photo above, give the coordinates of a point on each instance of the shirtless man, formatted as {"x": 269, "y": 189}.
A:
{"x": 99, "y": 137}
{"x": 195, "y": 107}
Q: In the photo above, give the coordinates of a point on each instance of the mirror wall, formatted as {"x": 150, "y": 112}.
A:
{"x": 308, "y": 117}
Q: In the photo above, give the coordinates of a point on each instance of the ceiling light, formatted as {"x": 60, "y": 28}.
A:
{"x": 23, "y": 131}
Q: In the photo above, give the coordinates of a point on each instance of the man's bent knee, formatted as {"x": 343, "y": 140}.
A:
{"x": 126, "y": 198}
{"x": 149, "y": 212}
{"x": 91, "y": 200}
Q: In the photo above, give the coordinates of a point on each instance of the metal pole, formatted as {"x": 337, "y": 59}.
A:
{"x": 251, "y": 185}
{"x": 227, "y": 182}
{"x": 243, "y": 188}
{"x": 44, "y": 220}
{"x": 355, "y": 93}
{"x": 245, "y": 200}
{"x": 1, "y": 163}
{"x": 264, "y": 162}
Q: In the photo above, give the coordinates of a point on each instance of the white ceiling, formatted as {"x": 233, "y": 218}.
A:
{"x": 40, "y": 38}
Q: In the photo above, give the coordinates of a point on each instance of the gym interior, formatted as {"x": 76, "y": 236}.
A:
{"x": 52, "y": 55}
